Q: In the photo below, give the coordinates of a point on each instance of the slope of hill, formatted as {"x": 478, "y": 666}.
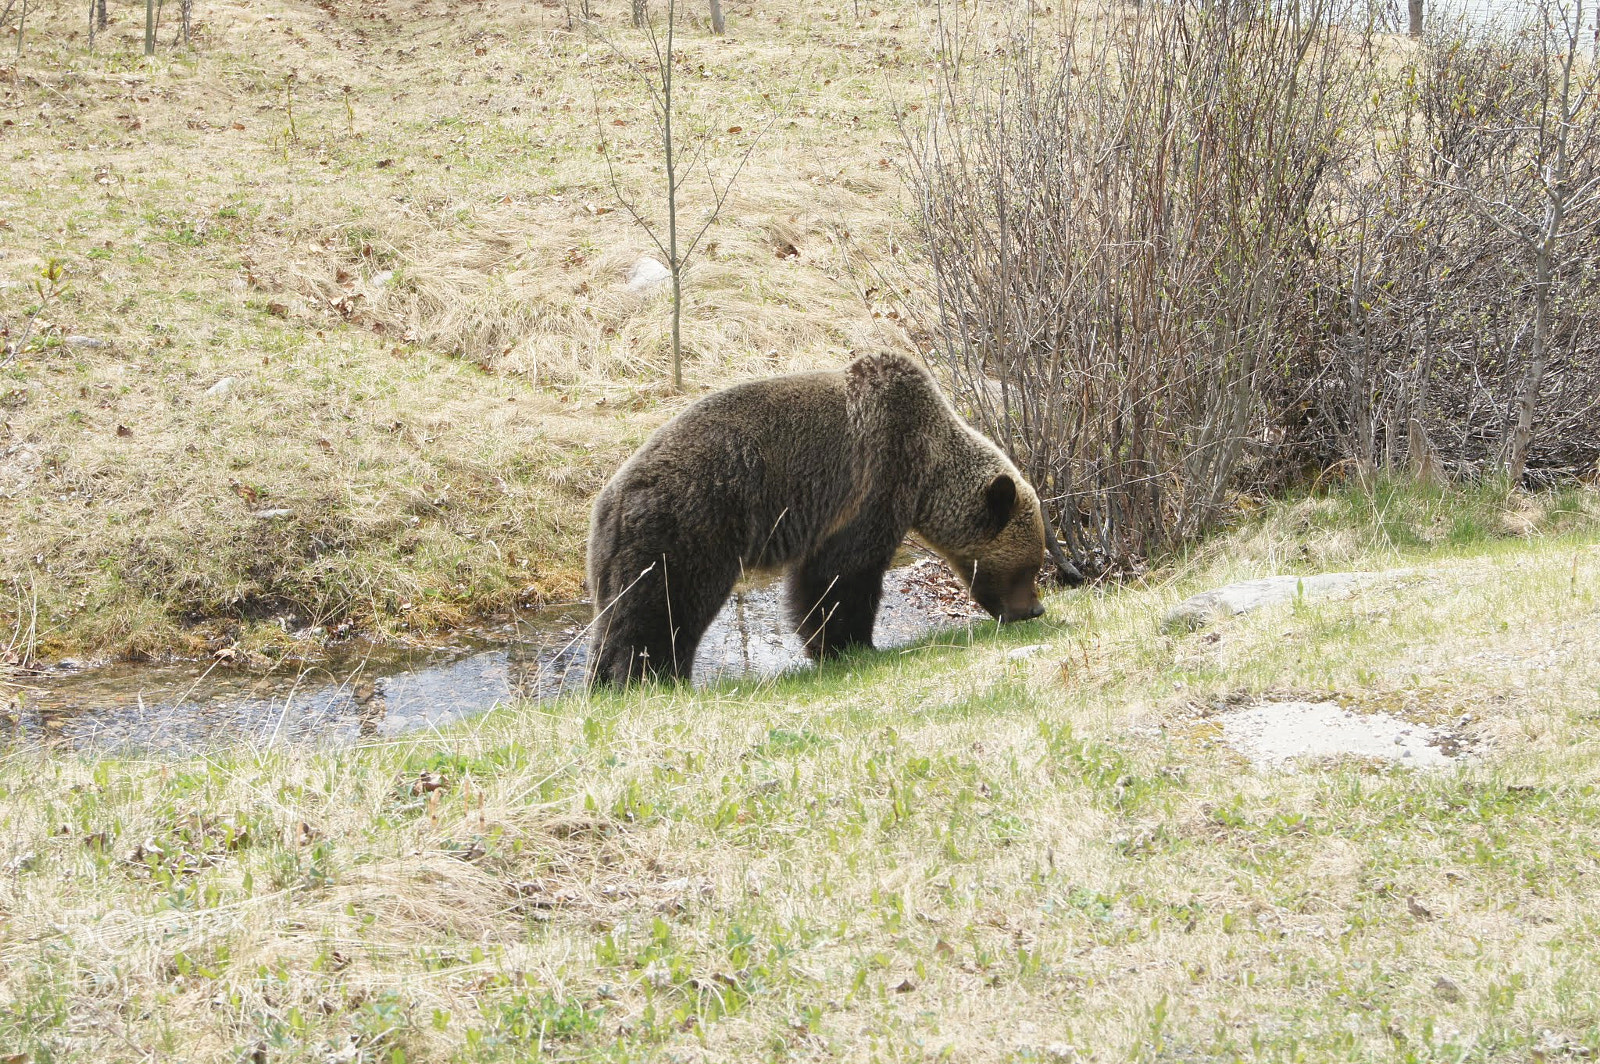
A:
{"x": 346, "y": 334}
{"x": 1039, "y": 844}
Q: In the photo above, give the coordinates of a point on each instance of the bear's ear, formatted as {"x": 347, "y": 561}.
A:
{"x": 999, "y": 499}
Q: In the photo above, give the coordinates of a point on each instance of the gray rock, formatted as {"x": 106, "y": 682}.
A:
{"x": 647, "y": 275}
{"x": 271, "y": 515}
{"x": 221, "y": 388}
{"x": 87, "y": 342}
{"x": 1247, "y": 595}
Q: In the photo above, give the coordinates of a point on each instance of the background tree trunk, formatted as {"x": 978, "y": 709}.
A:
{"x": 149, "y": 27}
{"x": 719, "y": 25}
{"x": 1414, "y": 9}
{"x": 638, "y": 13}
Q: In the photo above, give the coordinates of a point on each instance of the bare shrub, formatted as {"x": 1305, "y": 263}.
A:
{"x": 1204, "y": 247}
{"x": 1458, "y": 287}
{"x": 1118, "y": 224}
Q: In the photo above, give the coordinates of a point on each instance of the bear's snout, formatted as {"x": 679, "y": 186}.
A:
{"x": 1026, "y": 613}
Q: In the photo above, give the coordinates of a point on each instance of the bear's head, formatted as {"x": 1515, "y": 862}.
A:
{"x": 1000, "y": 555}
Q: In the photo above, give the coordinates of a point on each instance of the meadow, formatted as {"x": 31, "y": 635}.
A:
{"x": 1024, "y": 844}
{"x": 330, "y": 330}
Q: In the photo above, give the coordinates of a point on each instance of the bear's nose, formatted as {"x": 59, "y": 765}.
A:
{"x": 1028, "y": 614}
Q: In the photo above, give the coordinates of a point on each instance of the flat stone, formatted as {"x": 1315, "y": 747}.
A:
{"x": 89, "y": 343}
{"x": 271, "y": 515}
{"x": 221, "y": 388}
{"x": 1024, "y": 653}
{"x": 1200, "y": 610}
{"x": 1277, "y": 734}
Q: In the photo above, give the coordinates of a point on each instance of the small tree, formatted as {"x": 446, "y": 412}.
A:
{"x": 680, "y": 156}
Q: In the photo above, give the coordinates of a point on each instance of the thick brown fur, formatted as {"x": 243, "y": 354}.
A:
{"x": 819, "y": 474}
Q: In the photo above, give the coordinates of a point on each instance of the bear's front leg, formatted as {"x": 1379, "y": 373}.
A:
{"x": 833, "y": 595}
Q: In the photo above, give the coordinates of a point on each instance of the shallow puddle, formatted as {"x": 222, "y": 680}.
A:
{"x": 1287, "y": 734}
{"x": 366, "y": 691}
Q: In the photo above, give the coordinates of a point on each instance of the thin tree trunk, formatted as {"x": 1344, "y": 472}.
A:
{"x": 638, "y": 13}
{"x": 22, "y": 24}
{"x": 1520, "y": 439}
{"x": 186, "y": 15}
{"x": 1414, "y": 9}
{"x": 672, "y": 207}
{"x": 1527, "y": 401}
{"x": 149, "y": 27}
{"x": 91, "y": 23}
{"x": 100, "y": 13}
{"x": 719, "y": 25}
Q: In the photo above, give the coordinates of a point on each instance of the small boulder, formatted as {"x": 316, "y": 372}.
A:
{"x": 646, "y": 276}
{"x": 1231, "y": 599}
{"x": 221, "y": 388}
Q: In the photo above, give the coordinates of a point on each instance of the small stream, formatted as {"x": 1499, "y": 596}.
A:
{"x": 364, "y": 690}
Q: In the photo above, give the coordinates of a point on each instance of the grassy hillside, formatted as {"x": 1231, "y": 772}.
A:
{"x": 388, "y": 229}
{"x": 948, "y": 852}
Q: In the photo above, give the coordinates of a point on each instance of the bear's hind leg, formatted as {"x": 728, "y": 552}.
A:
{"x": 652, "y": 629}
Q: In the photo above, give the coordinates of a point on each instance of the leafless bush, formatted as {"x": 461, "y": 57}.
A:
{"x": 1119, "y": 224}
{"x": 1458, "y": 283}
{"x": 1203, "y": 246}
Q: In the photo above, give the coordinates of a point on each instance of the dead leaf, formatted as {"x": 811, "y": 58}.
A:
{"x": 1417, "y": 909}
{"x": 278, "y": 310}
{"x": 1448, "y": 990}
{"x": 124, "y": 431}
{"x": 429, "y": 782}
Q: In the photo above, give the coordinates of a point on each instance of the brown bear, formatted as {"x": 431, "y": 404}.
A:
{"x": 821, "y": 474}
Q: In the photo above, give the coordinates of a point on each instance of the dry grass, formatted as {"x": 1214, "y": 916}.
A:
{"x": 945, "y": 853}
{"x": 417, "y": 290}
